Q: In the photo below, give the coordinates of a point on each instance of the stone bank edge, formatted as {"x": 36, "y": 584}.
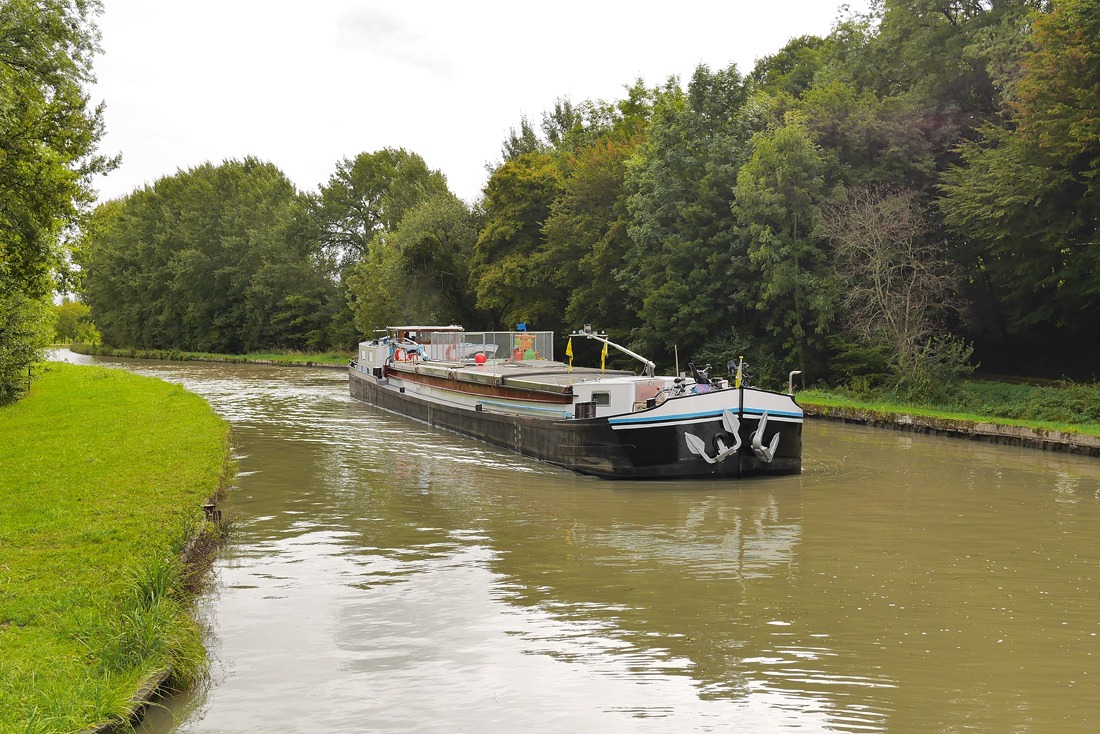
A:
{"x": 1070, "y": 442}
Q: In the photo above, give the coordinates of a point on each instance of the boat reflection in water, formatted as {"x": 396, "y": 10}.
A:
{"x": 628, "y": 602}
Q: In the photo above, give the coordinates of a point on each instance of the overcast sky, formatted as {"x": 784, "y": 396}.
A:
{"x": 305, "y": 83}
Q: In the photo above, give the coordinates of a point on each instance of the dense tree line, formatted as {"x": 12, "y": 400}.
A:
{"x": 867, "y": 206}
{"x": 218, "y": 258}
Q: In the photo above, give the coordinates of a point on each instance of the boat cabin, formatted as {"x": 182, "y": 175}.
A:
{"x": 618, "y": 395}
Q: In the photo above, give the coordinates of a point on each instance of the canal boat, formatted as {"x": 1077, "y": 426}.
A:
{"x": 507, "y": 389}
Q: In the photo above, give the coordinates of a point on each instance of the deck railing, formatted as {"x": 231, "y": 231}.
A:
{"x": 517, "y": 345}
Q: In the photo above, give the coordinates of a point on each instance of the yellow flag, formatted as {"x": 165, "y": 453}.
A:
{"x": 603, "y": 357}
{"x": 569, "y": 353}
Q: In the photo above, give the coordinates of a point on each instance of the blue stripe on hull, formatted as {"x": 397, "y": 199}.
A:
{"x": 679, "y": 417}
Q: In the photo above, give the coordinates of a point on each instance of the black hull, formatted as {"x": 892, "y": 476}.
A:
{"x": 592, "y": 446}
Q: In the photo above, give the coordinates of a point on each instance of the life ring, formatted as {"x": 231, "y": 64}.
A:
{"x": 399, "y": 355}
{"x": 450, "y": 353}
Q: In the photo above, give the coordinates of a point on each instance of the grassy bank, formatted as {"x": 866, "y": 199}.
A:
{"x": 291, "y": 358}
{"x": 1068, "y": 407}
{"x": 102, "y": 480}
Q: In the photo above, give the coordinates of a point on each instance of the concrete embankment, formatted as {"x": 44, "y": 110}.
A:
{"x": 1046, "y": 439}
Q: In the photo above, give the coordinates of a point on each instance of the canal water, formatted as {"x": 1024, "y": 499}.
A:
{"x": 385, "y": 576}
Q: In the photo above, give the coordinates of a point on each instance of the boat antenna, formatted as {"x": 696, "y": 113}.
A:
{"x": 587, "y": 333}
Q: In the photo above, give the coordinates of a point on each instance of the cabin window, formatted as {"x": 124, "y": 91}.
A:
{"x": 601, "y": 398}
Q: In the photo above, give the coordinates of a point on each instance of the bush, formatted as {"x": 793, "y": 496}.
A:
{"x": 26, "y": 329}
{"x": 933, "y": 373}
{"x": 861, "y": 367}
{"x": 1059, "y": 403}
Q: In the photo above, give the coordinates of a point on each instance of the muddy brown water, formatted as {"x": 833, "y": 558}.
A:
{"x": 385, "y": 576}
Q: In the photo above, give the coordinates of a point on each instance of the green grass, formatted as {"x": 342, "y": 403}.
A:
{"x": 1067, "y": 407}
{"x": 292, "y": 358}
{"x": 102, "y": 479}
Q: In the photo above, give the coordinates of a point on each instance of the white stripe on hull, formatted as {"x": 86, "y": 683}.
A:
{"x": 708, "y": 407}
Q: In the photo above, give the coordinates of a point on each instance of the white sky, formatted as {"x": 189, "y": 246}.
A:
{"x": 306, "y": 83}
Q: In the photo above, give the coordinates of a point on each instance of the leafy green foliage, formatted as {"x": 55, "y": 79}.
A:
{"x": 793, "y": 69}
{"x": 339, "y": 359}
{"x": 26, "y": 329}
{"x": 934, "y": 374}
{"x": 1026, "y": 197}
{"x": 760, "y": 366}
{"x": 419, "y": 274}
{"x": 218, "y": 258}
{"x": 510, "y": 270}
{"x": 683, "y": 271}
{"x": 586, "y": 235}
{"x": 48, "y": 139}
{"x": 435, "y": 241}
{"x": 776, "y": 200}
{"x": 74, "y": 323}
{"x": 376, "y": 290}
{"x": 367, "y": 196}
{"x": 1063, "y": 403}
{"x": 860, "y": 365}
{"x": 48, "y": 134}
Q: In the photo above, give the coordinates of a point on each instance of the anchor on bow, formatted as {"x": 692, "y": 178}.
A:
{"x": 764, "y": 453}
{"x": 699, "y": 447}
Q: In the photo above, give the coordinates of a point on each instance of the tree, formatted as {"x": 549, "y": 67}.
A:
{"x": 898, "y": 284}
{"x": 792, "y": 69}
{"x": 291, "y": 300}
{"x": 216, "y": 258}
{"x": 681, "y": 271}
{"x": 776, "y": 203}
{"x": 521, "y": 142}
{"x": 375, "y": 290}
{"x": 26, "y": 329}
{"x": 48, "y": 140}
{"x": 369, "y": 195}
{"x": 871, "y": 142}
{"x": 586, "y": 231}
{"x": 1025, "y": 199}
{"x": 435, "y": 241}
{"x": 419, "y": 274}
{"x": 939, "y": 51}
{"x": 586, "y": 236}
{"x": 48, "y": 135}
{"x": 74, "y": 323}
{"x": 510, "y": 271}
